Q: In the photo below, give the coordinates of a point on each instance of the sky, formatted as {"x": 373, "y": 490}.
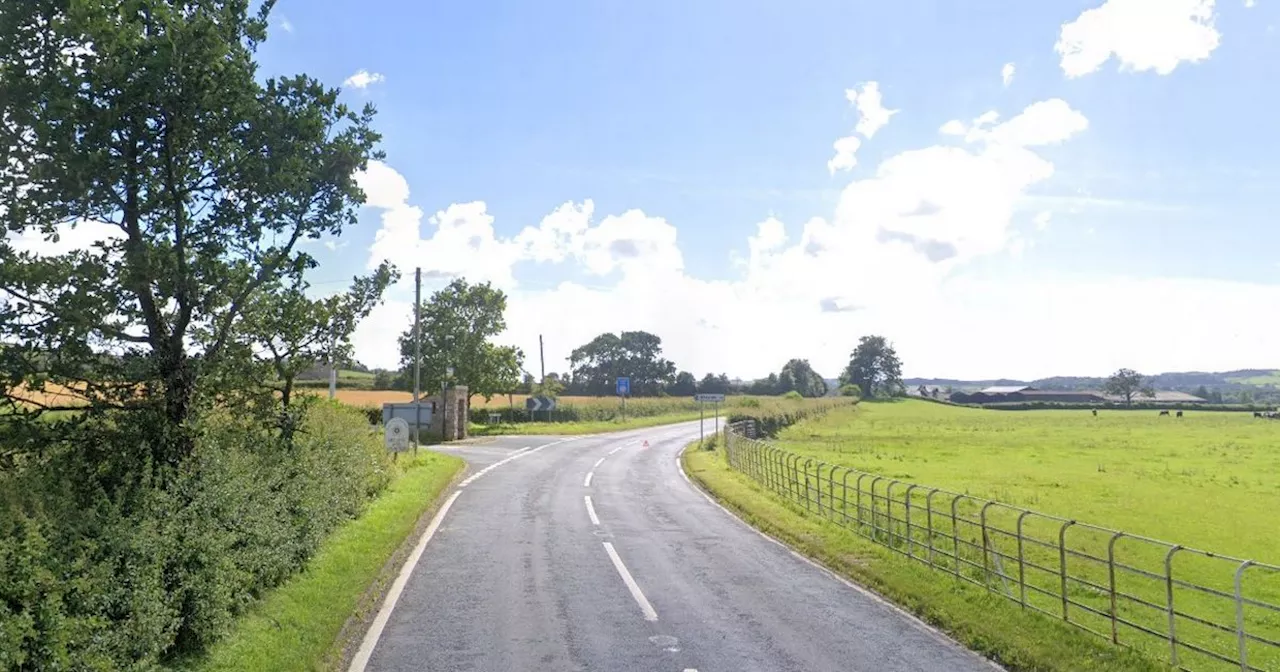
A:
{"x": 1001, "y": 188}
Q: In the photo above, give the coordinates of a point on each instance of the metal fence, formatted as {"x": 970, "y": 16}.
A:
{"x": 1197, "y": 609}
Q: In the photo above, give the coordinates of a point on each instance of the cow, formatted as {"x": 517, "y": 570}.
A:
{"x": 1179, "y": 414}
{"x": 1095, "y": 412}
{"x": 1258, "y": 414}
{"x": 1163, "y": 413}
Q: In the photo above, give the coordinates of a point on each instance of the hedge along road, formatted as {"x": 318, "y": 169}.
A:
{"x": 595, "y": 553}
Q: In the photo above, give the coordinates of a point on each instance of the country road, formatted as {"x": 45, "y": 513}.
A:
{"x": 596, "y": 554}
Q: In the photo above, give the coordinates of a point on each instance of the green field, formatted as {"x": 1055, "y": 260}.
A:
{"x": 1209, "y": 481}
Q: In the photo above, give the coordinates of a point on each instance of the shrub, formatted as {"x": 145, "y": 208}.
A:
{"x": 850, "y": 390}
{"x": 91, "y": 579}
{"x": 792, "y": 394}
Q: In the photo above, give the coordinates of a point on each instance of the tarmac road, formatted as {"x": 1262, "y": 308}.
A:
{"x": 595, "y": 553}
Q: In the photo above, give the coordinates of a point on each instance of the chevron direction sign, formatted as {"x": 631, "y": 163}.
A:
{"x": 540, "y": 404}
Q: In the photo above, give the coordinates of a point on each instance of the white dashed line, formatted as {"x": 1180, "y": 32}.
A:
{"x": 649, "y": 613}
{"x": 598, "y": 463}
{"x": 361, "y": 658}
{"x": 620, "y": 447}
{"x": 586, "y": 482}
{"x": 591, "y": 510}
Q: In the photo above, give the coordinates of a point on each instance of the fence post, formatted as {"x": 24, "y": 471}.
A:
{"x": 1168, "y": 583}
{"x": 858, "y": 485}
{"x": 818, "y": 478}
{"x": 888, "y": 510}
{"x": 875, "y": 529}
{"x": 1240, "y": 637}
{"x": 1062, "y": 563}
{"x": 808, "y": 461}
{"x": 986, "y": 547}
{"x": 1022, "y": 564}
{"x": 831, "y": 491}
{"x": 1111, "y": 572}
{"x": 907, "y": 501}
{"x": 955, "y": 533}
{"x": 844, "y": 496}
{"x": 928, "y": 512}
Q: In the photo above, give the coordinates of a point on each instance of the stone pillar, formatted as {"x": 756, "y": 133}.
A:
{"x": 456, "y": 415}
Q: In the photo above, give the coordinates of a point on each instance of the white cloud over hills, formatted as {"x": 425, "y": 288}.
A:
{"x": 893, "y": 258}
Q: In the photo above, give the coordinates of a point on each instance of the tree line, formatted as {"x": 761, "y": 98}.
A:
{"x": 460, "y": 321}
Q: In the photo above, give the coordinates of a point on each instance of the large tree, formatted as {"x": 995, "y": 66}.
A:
{"x": 457, "y": 325}
{"x": 635, "y": 354}
{"x": 875, "y": 368}
{"x": 146, "y": 124}
{"x": 685, "y": 385}
{"x": 798, "y": 375}
{"x": 1128, "y": 383}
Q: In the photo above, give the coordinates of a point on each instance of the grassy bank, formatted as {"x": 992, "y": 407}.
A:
{"x": 981, "y": 621}
{"x": 296, "y": 626}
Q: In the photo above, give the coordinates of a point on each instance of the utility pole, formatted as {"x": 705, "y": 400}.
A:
{"x": 417, "y": 354}
{"x": 542, "y": 361}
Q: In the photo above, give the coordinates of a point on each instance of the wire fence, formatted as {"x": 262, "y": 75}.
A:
{"x": 1196, "y": 609}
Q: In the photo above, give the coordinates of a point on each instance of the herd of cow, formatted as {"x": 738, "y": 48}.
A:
{"x": 1270, "y": 415}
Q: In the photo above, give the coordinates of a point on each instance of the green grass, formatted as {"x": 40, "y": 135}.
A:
{"x": 981, "y": 621}
{"x": 1208, "y": 480}
{"x": 296, "y": 626}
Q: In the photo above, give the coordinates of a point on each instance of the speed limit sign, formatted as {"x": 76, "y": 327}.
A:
{"x": 397, "y": 435}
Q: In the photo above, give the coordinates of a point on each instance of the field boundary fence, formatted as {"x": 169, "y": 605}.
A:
{"x": 1195, "y": 609}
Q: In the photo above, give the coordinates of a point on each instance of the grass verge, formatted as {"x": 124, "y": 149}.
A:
{"x": 586, "y": 427}
{"x": 988, "y": 624}
{"x": 297, "y": 626}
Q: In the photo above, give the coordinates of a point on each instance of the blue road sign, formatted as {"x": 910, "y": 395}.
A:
{"x": 624, "y": 387}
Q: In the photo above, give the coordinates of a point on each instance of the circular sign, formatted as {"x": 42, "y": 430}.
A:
{"x": 397, "y": 435}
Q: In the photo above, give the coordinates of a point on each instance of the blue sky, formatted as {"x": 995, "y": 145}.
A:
{"x": 1154, "y": 170}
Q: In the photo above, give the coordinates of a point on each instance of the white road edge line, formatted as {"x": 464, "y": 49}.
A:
{"x": 527, "y": 450}
{"x": 915, "y": 620}
{"x": 586, "y": 482}
{"x": 371, "y": 637}
{"x": 591, "y": 510}
{"x": 649, "y": 613}
{"x": 620, "y": 448}
{"x": 598, "y": 463}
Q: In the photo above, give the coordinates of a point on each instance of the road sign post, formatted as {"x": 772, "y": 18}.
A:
{"x": 702, "y": 418}
{"x": 624, "y": 390}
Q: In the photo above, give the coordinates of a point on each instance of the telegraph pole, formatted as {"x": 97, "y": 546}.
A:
{"x": 542, "y": 361}
{"x": 333, "y": 366}
{"x": 417, "y": 354}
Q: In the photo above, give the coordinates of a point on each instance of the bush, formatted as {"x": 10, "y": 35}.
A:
{"x": 850, "y": 390}
{"x": 778, "y": 413}
{"x": 792, "y": 394}
{"x": 127, "y": 578}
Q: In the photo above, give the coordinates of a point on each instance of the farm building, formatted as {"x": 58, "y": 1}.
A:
{"x": 1024, "y": 393}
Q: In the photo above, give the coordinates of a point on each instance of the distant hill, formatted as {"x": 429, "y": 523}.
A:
{"x": 1261, "y": 382}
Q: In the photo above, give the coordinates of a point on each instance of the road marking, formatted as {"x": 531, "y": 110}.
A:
{"x": 649, "y": 613}
{"x": 689, "y": 669}
{"x": 527, "y": 450}
{"x": 929, "y": 630}
{"x": 591, "y": 510}
{"x": 598, "y": 462}
{"x": 363, "y": 654}
{"x": 586, "y": 482}
{"x": 620, "y": 447}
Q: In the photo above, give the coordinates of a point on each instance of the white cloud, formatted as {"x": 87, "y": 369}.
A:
{"x": 363, "y": 78}
{"x": 871, "y": 111}
{"x": 286, "y": 25}
{"x": 1006, "y": 73}
{"x": 894, "y": 258}
{"x": 82, "y": 236}
{"x": 1249, "y": 4}
{"x": 1141, "y": 34}
{"x": 845, "y": 158}
{"x": 953, "y": 127}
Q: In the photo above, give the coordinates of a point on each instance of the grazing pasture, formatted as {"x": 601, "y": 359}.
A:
{"x": 1208, "y": 480}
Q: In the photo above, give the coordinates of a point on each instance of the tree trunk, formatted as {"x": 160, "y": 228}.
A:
{"x": 179, "y": 394}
